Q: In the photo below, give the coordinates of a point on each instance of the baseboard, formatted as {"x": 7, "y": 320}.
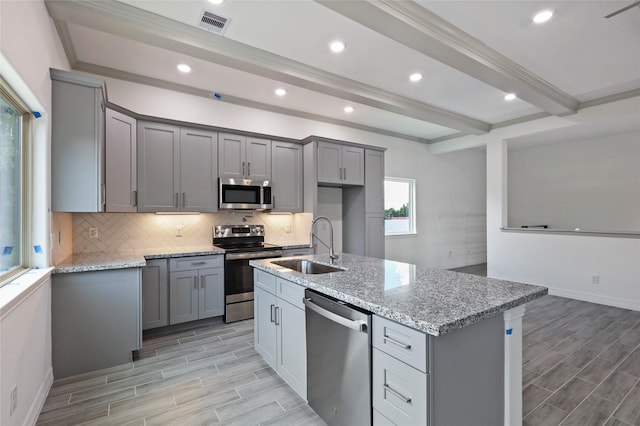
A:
{"x": 596, "y": 298}
{"x": 41, "y": 397}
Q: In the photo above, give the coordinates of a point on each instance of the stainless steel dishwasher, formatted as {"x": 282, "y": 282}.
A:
{"x": 338, "y": 360}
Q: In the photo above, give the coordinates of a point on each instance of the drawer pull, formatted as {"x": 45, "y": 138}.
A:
{"x": 396, "y": 393}
{"x": 396, "y": 342}
{"x": 272, "y": 306}
{"x": 198, "y": 263}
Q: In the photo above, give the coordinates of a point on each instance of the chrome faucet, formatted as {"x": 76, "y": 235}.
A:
{"x": 332, "y": 255}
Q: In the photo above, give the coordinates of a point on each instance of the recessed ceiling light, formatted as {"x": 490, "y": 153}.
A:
{"x": 415, "y": 77}
{"x": 543, "y": 16}
{"x": 216, "y": 1}
{"x": 337, "y": 46}
{"x": 509, "y": 96}
{"x": 348, "y": 109}
{"x": 281, "y": 92}
{"x": 184, "y": 68}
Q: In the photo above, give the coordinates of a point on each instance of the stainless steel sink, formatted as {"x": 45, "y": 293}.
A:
{"x": 306, "y": 266}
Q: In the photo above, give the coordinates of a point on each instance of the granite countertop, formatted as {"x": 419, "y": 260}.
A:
{"x": 435, "y": 301}
{"x": 85, "y": 262}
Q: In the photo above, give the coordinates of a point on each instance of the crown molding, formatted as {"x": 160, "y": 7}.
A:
{"x": 414, "y": 26}
{"x": 136, "y": 24}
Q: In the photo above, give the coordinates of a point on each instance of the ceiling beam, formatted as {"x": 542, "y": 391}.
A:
{"x": 414, "y": 26}
{"x": 136, "y": 24}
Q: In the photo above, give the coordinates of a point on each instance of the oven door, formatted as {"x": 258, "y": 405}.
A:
{"x": 238, "y": 283}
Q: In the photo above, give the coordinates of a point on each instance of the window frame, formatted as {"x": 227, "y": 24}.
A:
{"x": 21, "y": 108}
{"x": 411, "y": 207}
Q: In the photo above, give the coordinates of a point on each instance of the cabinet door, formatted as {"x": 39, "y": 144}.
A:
{"x": 352, "y": 165}
{"x": 77, "y": 145}
{"x": 231, "y": 156}
{"x": 198, "y": 170}
{"x": 264, "y": 333}
{"x": 374, "y": 235}
{"x": 155, "y": 293}
{"x": 329, "y": 163}
{"x": 374, "y": 181}
{"x": 158, "y": 168}
{"x": 286, "y": 170}
{"x": 183, "y": 294}
{"x": 120, "y": 162}
{"x": 258, "y": 159}
{"x": 292, "y": 347}
{"x": 211, "y": 294}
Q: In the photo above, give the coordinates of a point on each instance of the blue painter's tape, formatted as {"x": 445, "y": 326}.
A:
{"x": 7, "y": 250}
{"x": 217, "y": 95}
{"x": 509, "y": 331}
{"x": 36, "y": 114}
{"x": 37, "y": 249}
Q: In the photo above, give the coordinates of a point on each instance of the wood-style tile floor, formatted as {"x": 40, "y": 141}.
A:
{"x": 581, "y": 366}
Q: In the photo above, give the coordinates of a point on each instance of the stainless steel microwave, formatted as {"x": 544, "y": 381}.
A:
{"x": 245, "y": 194}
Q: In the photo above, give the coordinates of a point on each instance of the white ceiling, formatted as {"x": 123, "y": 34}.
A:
{"x": 470, "y": 53}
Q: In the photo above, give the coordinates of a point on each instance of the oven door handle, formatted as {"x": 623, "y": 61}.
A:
{"x": 253, "y": 255}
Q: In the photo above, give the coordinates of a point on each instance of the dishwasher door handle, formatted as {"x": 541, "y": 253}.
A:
{"x": 357, "y": 325}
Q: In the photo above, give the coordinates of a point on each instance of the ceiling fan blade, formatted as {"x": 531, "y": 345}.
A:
{"x": 624, "y": 9}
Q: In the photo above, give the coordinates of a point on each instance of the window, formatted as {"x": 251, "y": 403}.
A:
{"x": 12, "y": 245}
{"x": 399, "y": 206}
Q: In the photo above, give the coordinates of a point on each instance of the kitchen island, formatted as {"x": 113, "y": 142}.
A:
{"x": 470, "y": 326}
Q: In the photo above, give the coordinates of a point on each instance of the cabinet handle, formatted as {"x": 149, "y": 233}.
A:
{"x": 184, "y": 199}
{"x": 195, "y": 282}
{"x": 198, "y": 263}
{"x": 243, "y": 173}
{"x": 272, "y": 313}
{"x": 396, "y": 342}
{"x": 396, "y": 393}
{"x": 277, "y": 310}
{"x": 103, "y": 197}
{"x": 273, "y": 202}
{"x": 340, "y": 173}
{"x": 345, "y": 173}
{"x": 135, "y": 198}
{"x": 176, "y": 203}
{"x": 249, "y": 169}
{"x": 202, "y": 281}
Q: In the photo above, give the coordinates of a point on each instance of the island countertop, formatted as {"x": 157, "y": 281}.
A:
{"x": 435, "y": 301}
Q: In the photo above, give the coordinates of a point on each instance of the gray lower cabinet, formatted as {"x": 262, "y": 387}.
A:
{"x": 196, "y": 288}
{"x": 279, "y": 328}
{"x": 155, "y": 294}
{"x": 286, "y": 172}
{"x": 95, "y": 320}
{"x": 77, "y": 143}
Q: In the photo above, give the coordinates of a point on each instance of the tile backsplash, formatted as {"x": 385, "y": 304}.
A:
{"x": 133, "y": 231}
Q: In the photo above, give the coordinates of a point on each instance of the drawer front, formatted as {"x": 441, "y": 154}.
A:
{"x": 265, "y": 281}
{"x": 399, "y": 391}
{"x": 291, "y": 292}
{"x": 380, "y": 420}
{"x": 195, "y": 262}
{"x": 399, "y": 341}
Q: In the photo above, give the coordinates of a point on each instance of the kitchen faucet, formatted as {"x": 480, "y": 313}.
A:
{"x": 332, "y": 255}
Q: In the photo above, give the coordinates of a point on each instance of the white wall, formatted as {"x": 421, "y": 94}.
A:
{"x": 564, "y": 263}
{"x": 29, "y": 45}
{"x": 591, "y": 184}
{"x": 449, "y": 186}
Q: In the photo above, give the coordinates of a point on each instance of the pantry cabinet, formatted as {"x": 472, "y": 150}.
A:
{"x": 243, "y": 157}
{"x": 177, "y": 169}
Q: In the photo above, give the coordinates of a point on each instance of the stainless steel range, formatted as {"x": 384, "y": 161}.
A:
{"x": 241, "y": 244}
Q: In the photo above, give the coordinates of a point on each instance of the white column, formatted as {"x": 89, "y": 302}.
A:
{"x": 513, "y": 366}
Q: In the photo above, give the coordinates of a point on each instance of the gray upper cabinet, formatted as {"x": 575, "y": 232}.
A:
{"x": 77, "y": 143}
{"x": 243, "y": 157}
{"x": 120, "y": 162}
{"x": 286, "y": 170}
{"x": 340, "y": 164}
{"x": 177, "y": 169}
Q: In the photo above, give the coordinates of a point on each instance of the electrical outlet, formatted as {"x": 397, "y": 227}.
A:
{"x": 13, "y": 406}
{"x": 93, "y": 232}
{"x": 595, "y": 279}
{"x": 179, "y": 231}
{"x": 287, "y": 228}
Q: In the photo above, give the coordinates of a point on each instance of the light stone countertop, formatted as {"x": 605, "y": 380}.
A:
{"x": 85, "y": 262}
{"x": 435, "y": 301}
